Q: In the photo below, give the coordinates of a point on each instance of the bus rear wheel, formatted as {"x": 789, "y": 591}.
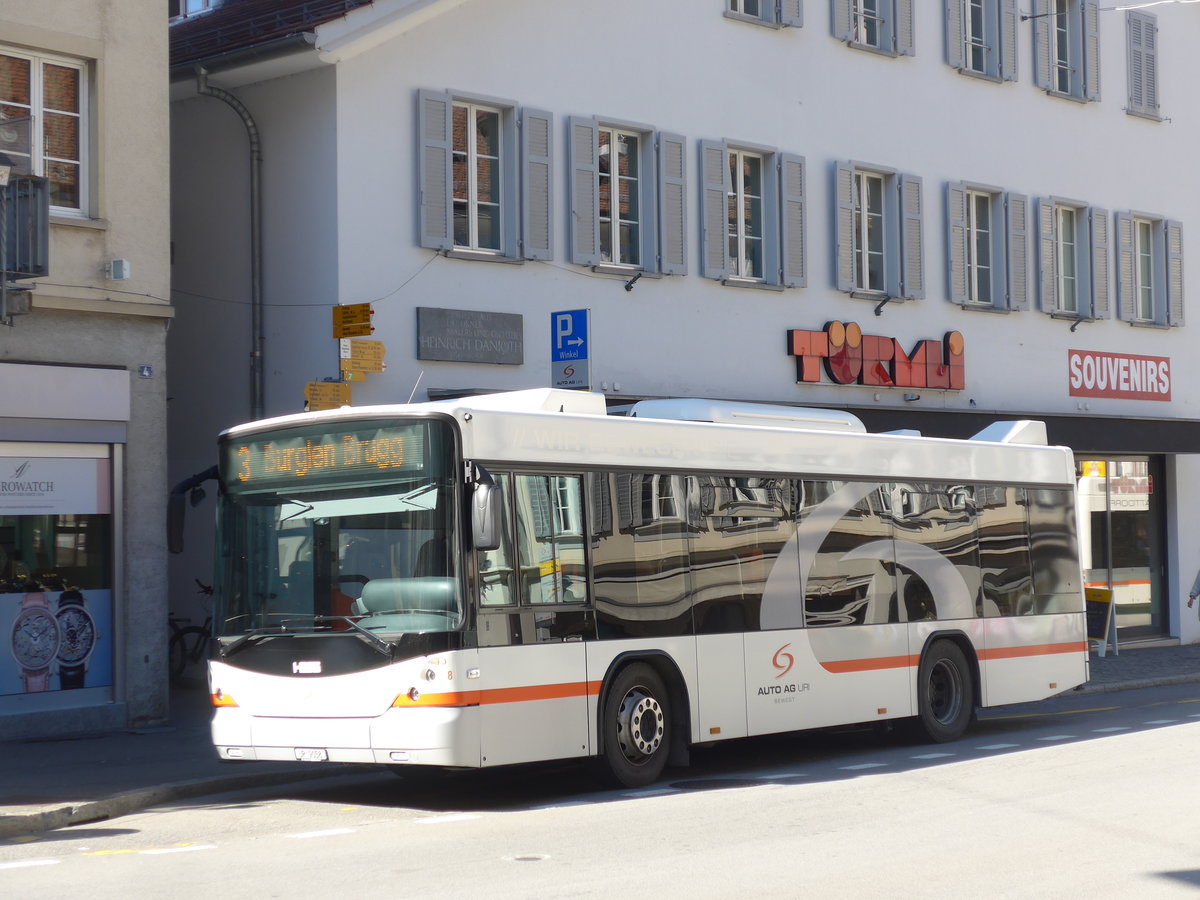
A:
{"x": 945, "y": 692}
{"x": 635, "y": 727}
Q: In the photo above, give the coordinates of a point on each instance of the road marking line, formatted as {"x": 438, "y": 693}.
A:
{"x": 111, "y": 852}
{"x": 862, "y": 766}
{"x": 1057, "y": 737}
{"x": 187, "y": 849}
{"x": 1110, "y": 728}
{"x": 932, "y": 755}
{"x": 438, "y": 820}
{"x": 30, "y": 862}
{"x": 328, "y": 832}
{"x": 998, "y": 746}
{"x": 1161, "y": 722}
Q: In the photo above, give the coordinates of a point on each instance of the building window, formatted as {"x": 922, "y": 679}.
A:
{"x": 880, "y": 250}
{"x": 1149, "y": 269}
{"x": 1066, "y": 44}
{"x": 1141, "y": 31}
{"x": 885, "y": 26}
{"x": 752, "y": 215}
{"x": 484, "y": 175}
{"x": 626, "y": 197}
{"x": 745, "y": 214}
{"x": 988, "y": 247}
{"x": 981, "y": 37}
{"x": 773, "y": 13}
{"x": 475, "y": 160}
{"x": 179, "y": 8}
{"x": 1073, "y": 259}
{"x": 48, "y": 97}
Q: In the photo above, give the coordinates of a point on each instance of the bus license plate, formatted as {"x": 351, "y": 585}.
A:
{"x": 311, "y": 754}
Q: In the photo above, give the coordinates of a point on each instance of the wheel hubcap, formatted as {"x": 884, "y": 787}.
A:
{"x": 945, "y": 692}
{"x": 640, "y": 725}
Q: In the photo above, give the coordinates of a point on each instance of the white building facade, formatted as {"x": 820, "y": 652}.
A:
{"x": 933, "y": 215}
{"x": 83, "y": 593}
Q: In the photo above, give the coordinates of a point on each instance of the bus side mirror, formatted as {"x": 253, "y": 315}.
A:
{"x": 485, "y": 516}
{"x": 176, "y": 509}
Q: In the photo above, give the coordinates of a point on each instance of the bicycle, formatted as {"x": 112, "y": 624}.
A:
{"x": 188, "y": 648}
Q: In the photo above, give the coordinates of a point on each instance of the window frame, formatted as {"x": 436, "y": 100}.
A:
{"x": 784, "y": 250}
{"x": 771, "y": 13}
{"x": 662, "y": 197}
{"x": 1008, "y": 245}
{"x": 526, "y": 174}
{"x": 903, "y": 238}
{"x": 1141, "y": 49}
{"x": 37, "y": 111}
{"x": 1091, "y": 271}
{"x": 998, "y": 40}
{"x": 1067, "y": 45}
{"x": 895, "y": 25}
{"x": 1153, "y": 273}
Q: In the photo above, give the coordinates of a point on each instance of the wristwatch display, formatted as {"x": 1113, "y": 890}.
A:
{"x": 76, "y": 638}
{"x": 35, "y": 641}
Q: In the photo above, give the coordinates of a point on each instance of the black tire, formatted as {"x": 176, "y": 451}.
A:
{"x": 945, "y": 692}
{"x": 635, "y": 727}
{"x": 188, "y": 656}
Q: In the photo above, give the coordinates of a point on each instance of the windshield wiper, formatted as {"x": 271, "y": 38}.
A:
{"x": 304, "y": 507}
{"x": 280, "y": 629}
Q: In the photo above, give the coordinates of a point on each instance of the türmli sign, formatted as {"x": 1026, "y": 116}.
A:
{"x": 1118, "y": 376}
{"x": 848, "y": 356}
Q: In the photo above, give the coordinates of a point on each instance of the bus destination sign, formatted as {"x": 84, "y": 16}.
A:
{"x": 375, "y": 453}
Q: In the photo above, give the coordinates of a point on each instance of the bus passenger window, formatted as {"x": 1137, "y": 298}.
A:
{"x": 550, "y": 538}
{"x": 496, "y": 566}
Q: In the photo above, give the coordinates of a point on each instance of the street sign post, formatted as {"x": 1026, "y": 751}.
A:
{"x": 352, "y": 320}
{"x": 570, "y": 365}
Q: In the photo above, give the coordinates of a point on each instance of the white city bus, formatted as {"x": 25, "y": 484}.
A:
{"x": 522, "y": 576}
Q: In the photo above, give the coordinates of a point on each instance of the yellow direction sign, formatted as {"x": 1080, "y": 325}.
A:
{"x": 327, "y": 394}
{"x": 352, "y": 320}
{"x": 362, "y": 356}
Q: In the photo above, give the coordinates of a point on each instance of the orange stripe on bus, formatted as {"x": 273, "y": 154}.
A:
{"x": 1034, "y": 650}
{"x": 842, "y": 666}
{"x": 503, "y": 695}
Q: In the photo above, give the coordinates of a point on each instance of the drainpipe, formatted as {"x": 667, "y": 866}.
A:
{"x": 256, "y": 292}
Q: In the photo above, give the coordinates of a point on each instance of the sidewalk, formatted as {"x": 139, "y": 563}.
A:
{"x": 52, "y": 784}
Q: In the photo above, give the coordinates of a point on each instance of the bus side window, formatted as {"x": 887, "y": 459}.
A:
{"x": 496, "y": 566}
{"x": 550, "y": 538}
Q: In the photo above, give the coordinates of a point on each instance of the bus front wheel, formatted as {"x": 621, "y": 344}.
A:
{"x": 636, "y": 727}
{"x": 945, "y": 694}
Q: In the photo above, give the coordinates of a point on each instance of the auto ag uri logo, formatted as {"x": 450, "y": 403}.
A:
{"x": 783, "y": 661}
{"x": 569, "y": 372}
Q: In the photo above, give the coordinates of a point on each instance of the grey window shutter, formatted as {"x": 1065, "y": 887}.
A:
{"x": 1091, "y": 48}
{"x": 435, "y": 113}
{"x": 955, "y": 35}
{"x": 1126, "y": 283}
{"x": 840, "y": 20}
{"x": 537, "y": 235}
{"x": 791, "y": 12}
{"x": 1042, "y": 34}
{"x": 1101, "y": 290}
{"x": 714, "y": 175}
{"x": 1017, "y": 239}
{"x": 902, "y": 27}
{"x": 912, "y": 244}
{"x": 584, "y": 227}
{"x": 793, "y": 252}
{"x": 1007, "y": 39}
{"x": 844, "y": 194}
{"x": 1047, "y": 255}
{"x": 1141, "y": 39}
{"x": 1174, "y": 241}
{"x": 956, "y": 218}
{"x": 672, "y": 204}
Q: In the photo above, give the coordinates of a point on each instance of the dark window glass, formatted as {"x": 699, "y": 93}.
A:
{"x": 1053, "y": 550}
{"x": 937, "y": 551}
{"x": 1004, "y": 550}
{"x": 640, "y": 569}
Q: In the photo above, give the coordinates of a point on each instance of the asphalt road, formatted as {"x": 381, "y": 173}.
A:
{"x": 1084, "y": 795}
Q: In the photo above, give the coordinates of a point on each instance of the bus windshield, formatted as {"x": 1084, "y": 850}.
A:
{"x": 336, "y": 530}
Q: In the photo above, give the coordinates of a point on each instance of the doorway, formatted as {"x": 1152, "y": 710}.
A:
{"x": 1121, "y": 520}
